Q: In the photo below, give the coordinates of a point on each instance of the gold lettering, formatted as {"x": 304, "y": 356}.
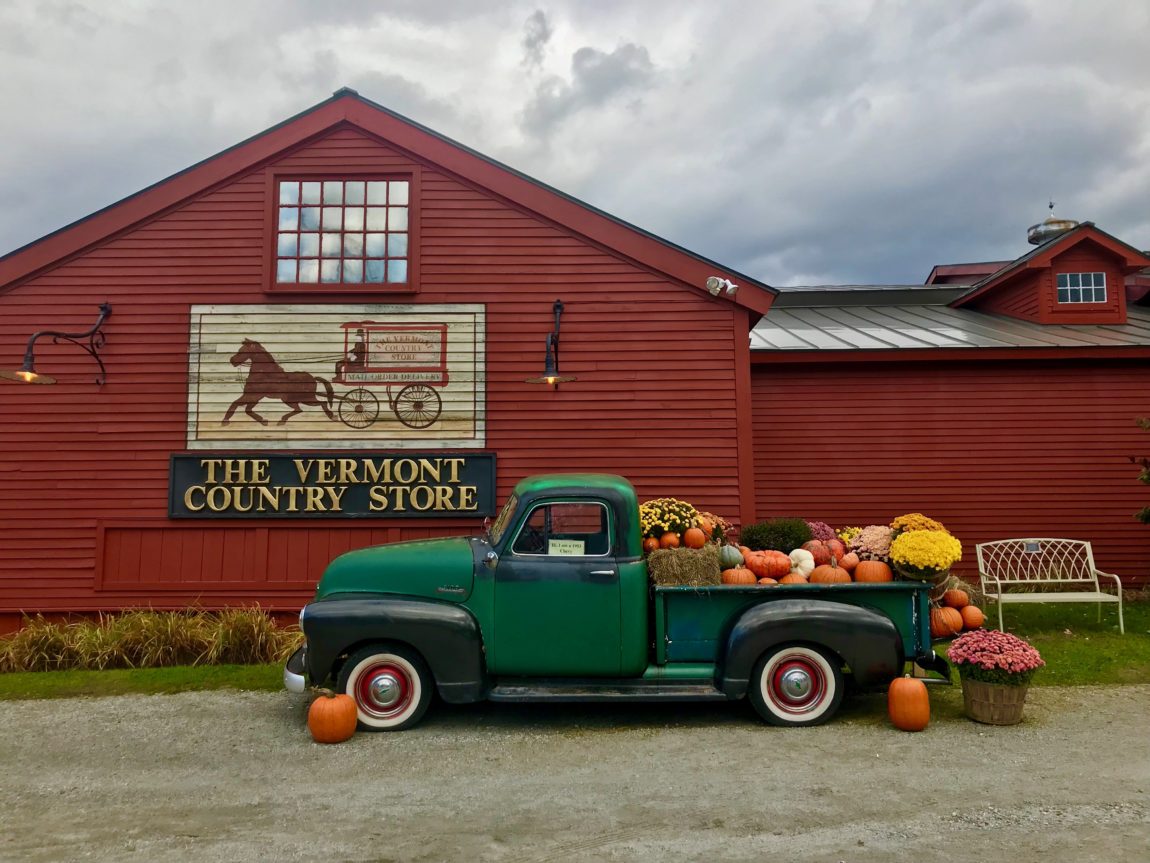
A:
{"x": 398, "y": 491}
{"x": 211, "y": 464}
{"x": 378, "y": 498}
{"x": 336, "y": 496}
{"x": 428, "y": 468}
{"x": 406, "y": 465}
{"x": 219, "y": 498}
{"x": 325, "y": 471}
{"x": 455, "y": 464}
{"x": 380, "y": 472}
{"x": 443, "y": 498}
{"x": 188, "y": 496}
{"x": 237, "y": 498}
{"x": 271, "y": 499}
{"x": 347, "y": 472}
{"x": 303, "y": 467}
{"x": 467, "y": 495}
{"x": 314, "y": 498}
{"x": 233, "y": 470}
{"x": 261, "y": 472}
{"x": 293, "y": 492}
{"x": 422, "y": 498}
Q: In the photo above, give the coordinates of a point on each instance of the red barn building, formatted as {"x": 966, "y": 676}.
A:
{"x": 334, "y": 334}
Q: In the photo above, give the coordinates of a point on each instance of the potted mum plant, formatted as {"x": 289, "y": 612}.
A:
{"x": 925, "y": 555}
{"x": 996, "y": 669}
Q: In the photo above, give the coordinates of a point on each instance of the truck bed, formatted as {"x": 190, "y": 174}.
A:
{"x": 691, "y": 623}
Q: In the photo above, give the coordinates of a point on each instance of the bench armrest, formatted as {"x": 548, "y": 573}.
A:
{"x": 1117, "y": 581}
{"x": 984, "y": 577}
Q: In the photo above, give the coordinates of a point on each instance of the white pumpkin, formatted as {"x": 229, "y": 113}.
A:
{"x": 802, "y": 561}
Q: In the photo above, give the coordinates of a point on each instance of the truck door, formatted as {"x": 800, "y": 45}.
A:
{"x": 557, "y": 594}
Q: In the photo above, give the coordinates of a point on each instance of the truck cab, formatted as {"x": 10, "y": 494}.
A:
{"x": 554, "y": 602}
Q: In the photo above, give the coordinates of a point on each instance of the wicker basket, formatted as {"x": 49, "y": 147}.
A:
{"x": 993, "y": 703}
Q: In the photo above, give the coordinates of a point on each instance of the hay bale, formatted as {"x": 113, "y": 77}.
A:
{"x": 685, "y": 567}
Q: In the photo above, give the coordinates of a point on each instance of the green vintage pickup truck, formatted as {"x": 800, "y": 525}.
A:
{"x": 554, "y": 603}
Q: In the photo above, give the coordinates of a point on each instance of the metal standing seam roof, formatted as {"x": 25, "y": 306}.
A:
{"x": 911, "y": 327}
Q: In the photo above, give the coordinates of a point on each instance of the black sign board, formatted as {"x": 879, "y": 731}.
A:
{"x": 327, "y": 485}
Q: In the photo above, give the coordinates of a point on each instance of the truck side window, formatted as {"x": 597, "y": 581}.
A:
{"x": 565, "y": 529}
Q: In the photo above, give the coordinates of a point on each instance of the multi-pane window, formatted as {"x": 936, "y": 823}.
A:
{"x": 1081, "y": 287}
{"x": 342, "y": 231}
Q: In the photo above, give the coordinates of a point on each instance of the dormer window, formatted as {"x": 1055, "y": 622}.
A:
{"x": 352, "y": 232}
{"x": 1081, "y": 287}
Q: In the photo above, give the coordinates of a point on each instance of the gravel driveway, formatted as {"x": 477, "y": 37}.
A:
{"x": 235, "y": 777}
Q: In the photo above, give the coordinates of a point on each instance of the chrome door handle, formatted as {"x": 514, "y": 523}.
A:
{"x": 602, "y": 572}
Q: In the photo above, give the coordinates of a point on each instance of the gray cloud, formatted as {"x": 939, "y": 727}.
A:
{"x": 537, "y": 32}
{"x": 596, "y": 77}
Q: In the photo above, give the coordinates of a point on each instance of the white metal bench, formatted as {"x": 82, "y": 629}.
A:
{"x": 1024, "y": 570}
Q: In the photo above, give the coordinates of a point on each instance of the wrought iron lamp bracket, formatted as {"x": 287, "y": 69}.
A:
{"x": 90, "y": 340}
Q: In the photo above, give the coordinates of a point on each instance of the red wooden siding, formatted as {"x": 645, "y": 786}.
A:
{"x": 1018, "y": 298}
{"x": 993, "y": 450}
{"x": 1085, "y": 257}
{"x": 655, "y": 397}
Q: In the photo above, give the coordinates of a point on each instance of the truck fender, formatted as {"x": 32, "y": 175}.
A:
{"x": 867, "y": 641}
{"x": 446, "y": 636}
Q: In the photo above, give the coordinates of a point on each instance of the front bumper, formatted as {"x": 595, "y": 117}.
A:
{"x": 295, "y": 679}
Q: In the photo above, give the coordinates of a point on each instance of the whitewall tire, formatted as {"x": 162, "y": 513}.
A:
{"x": 796, "y": 685}
{"x": 391, "y": 686}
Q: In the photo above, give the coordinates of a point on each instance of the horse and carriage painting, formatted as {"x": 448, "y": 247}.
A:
{"x": 396, "y": 367}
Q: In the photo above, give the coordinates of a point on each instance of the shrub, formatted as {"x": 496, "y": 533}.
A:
{"x": 777, "y": 534}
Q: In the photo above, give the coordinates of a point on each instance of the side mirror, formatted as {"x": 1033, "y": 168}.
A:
{"x": 490, "y": 559}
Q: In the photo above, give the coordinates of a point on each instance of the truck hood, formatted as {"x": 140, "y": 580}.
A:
{"x": 435, "y": 568}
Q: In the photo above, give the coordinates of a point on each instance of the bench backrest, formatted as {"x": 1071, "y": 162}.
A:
{"x": 1037, "y": 560}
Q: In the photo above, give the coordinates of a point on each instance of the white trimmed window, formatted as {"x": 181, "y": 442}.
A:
{"x": 350, "y": 232}
{"x": 1081, "y": 287}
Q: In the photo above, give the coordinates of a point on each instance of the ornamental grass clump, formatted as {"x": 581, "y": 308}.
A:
{"x": 990, "y": 656}
{"x": 666, "y": 515}
{"x": 872, "y": 543}
{"x": 924, "y": 554}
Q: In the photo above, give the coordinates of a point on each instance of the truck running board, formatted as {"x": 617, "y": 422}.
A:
{"x": 604, "y": 690}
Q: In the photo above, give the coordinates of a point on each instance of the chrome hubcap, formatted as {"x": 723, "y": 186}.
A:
{"x": 795, "y": 684}
{"x": 386, "y": 690}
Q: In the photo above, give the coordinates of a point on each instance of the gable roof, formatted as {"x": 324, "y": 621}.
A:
{"x": 1041, "y": 256}
{"x": 347, "y": 108}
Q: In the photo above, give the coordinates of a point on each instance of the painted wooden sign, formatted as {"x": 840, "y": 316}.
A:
{"x": 336, "y": 376}
{"x": 323, "y": 485}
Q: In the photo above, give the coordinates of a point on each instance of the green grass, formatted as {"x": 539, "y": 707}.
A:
{"x": 149, "y": 681}
{"x": 1078, "y": 649}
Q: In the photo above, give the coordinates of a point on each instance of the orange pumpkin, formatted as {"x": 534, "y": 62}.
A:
{"x": 767, "y": 581}
{"x": 707, "y": 527}
{"x": 744, "y": 550}
{"x": 849, "y": 561}
{"x": 669, "y": 540}
{"x": 908, "y": 704}
{"x": 828, "y": 573}
{"x": 836, "y": 548}
{"x": 873, "y": 572}
{"x": 331, "y": 718}
{"x": 819, "y": 551}
{"x": 956, "y": 598}
{"x": 738, "y": 575}
{"x": 972, "y": 617}
{"x": 694, "y": 538}
{"x": 793, "y": 578}
{"x": 650, "y": 544}
{"x": 775, "y": 564}
{"x": 945, "y": 622}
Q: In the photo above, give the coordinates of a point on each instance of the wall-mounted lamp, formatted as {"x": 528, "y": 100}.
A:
{"x": 27, "y": 373}
{"x": 551, "y": 361}
{"x": 717, "y": 285}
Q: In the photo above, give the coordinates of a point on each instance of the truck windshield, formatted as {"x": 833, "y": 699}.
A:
{"x": 499, "y": 526}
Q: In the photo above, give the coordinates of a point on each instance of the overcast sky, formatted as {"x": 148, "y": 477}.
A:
{"x": 798, "y": 142}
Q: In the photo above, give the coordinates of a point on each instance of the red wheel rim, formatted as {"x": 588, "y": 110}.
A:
{"x": 384, "y": 690}
{"x": 797, "y": 684}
